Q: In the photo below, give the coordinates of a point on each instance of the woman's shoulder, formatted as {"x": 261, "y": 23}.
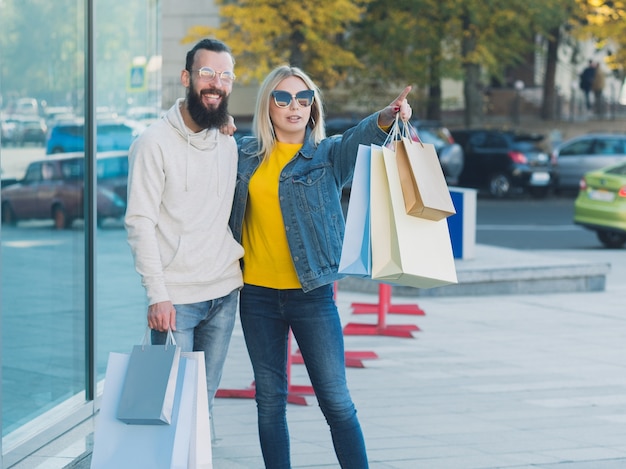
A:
{"x": 248, "y": 145}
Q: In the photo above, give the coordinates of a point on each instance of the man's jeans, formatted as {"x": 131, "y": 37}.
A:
{"x": 266, "y": 316}
{"x": 205, "y": 327}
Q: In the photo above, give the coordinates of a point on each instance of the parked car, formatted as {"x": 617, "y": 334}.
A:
{"x": 579, "y": 155}
{"x": 601, "y": 204}
{"x": 450, "y": 153}
{"x": 69, "y": 136}
{"x": 30, "y": 129}
{"x": 8, "y": 127}
{"x": 504, "y": 162}
{"x": 52, "y": 188}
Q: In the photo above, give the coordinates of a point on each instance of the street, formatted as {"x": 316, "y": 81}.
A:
{"x": 527, "y": 223}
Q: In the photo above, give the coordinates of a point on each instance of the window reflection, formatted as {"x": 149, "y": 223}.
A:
{"x": 43, "y": 268}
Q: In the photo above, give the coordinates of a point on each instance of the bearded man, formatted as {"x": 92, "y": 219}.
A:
{"x": 182, "y": 173}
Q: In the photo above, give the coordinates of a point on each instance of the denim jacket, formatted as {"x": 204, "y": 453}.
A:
{"x": 309, "y": 190}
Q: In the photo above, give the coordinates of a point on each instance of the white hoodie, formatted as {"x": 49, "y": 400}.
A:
{"x": 180, "y": 194}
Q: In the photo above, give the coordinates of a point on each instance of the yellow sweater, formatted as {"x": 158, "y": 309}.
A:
{"x": 267, "y": 259}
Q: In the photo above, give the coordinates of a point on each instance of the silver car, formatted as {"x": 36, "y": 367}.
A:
{"x": 579, "y": 155}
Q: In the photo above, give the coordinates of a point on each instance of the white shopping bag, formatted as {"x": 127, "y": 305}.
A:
{"x": 184, "y": 444}
{"x": 356, "y": 251}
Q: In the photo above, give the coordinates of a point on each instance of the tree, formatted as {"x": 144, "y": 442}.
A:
{"x": 43, "y": 52}
{"x": 603, "y": 21}
{"x": 407, "y": 42}
{"x": 266, "y": 33}
{"x": 426, "y": 41}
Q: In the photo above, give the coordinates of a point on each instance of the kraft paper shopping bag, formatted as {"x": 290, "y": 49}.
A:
{"x": 148, "y": 393}
{"x": 356, "y": 258}
{"x": 424, "y": 187}
{"x": 406, "y": 250}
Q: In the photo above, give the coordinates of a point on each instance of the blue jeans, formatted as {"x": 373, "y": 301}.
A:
{"x": 266, "y": 316}
{"x": 205, "y": 327}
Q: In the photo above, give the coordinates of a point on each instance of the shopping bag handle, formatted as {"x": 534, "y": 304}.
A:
{"x": 168, "y": 341}
{"x": 410, "y": 133}
{"x": 394, "y": 134}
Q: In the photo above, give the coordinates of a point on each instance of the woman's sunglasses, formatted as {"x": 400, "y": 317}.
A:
{"x": 303, "y": 98}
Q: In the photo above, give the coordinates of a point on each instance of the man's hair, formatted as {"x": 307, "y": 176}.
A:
{"x": 214, "y": 45}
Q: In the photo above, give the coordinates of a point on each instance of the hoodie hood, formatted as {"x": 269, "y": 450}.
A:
{"x": 206, "y": 139}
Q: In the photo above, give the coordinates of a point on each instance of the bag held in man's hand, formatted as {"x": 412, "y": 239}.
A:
{"x": 147, "y": 396}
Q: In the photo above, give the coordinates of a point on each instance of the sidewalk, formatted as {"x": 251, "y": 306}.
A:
{"x": 520, "y": 381}
{"x": 514, "y": 381}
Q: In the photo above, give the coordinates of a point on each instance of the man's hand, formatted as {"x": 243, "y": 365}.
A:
{"x": 229, "y": 128}
{"x": 162, "y": 316}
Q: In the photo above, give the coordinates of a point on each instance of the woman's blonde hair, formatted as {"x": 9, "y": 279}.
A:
{"x": 262, "y": 124}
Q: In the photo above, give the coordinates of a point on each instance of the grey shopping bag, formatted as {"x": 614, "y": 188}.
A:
{"x": 147, "y": 395}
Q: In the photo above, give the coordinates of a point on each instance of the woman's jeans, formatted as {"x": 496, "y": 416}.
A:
{"x": 266, "y": 316}
{"x": 205, "y": 327}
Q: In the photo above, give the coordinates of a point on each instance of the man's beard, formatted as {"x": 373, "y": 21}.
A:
{"x": 201, "y": 115}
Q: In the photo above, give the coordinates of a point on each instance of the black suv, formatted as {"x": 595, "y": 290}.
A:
{"x": 504, "y": 162}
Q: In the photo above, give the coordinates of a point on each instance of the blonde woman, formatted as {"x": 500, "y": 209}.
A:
{"x": 287, "y": 215}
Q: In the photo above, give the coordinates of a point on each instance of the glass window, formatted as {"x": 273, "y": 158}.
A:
{"x": 580, "y": 147}
{"x": 45, "y": 262}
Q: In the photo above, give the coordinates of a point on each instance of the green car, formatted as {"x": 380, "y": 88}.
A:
{"x": 601, "y": 204}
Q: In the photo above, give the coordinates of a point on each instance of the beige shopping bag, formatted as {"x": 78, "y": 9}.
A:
{"x": 406, "y": 250}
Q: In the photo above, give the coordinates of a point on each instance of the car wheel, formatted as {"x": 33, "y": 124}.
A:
{"x": 499, "y": 185}
{"x": 61, "y": 220}
{"x": 611, "y": 239}
{"x": 8, "y": 215}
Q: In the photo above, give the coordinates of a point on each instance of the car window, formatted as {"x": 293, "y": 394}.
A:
{"x": 618, "y": 170}
{"x": 478, "y": 139}
{"x": 33, "y": 173}
{"x": 109, "y": 129}
{"x": 580, "y": 147}
{"x": 608, "y": 146}
{"x": 112, "y": 167}
{"x": 496, "y": 141}
{"x": 48, "y": 173}
{"x": 73, "y": 130}
{"x": 526, "y": 146}
{"x": 72, "y": 169}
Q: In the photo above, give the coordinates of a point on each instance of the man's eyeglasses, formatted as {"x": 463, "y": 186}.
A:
{"x": 283, "y": 99}
{"x": 207, "y": 74}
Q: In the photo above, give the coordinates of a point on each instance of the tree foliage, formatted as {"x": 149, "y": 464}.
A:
{"x": 265, "y": 33}
{"x": 604, "y": 22}
{"x": 42, "y": 48}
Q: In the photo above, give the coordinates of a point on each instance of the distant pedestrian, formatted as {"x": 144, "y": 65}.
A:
{"x": 597, "y": 86}
{"x": 586, "y": 82}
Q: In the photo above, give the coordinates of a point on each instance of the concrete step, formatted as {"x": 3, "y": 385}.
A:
{"x": 502, "y": 271}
